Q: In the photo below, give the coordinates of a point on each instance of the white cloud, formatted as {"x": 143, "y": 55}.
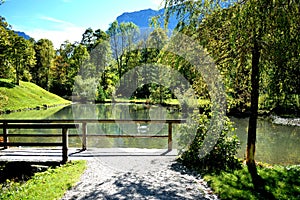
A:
{"x": 58, "y": 37}
{"x": 159, "y": 3}
{"x": 51, "y": 19}
{"x": 58, "y": 31}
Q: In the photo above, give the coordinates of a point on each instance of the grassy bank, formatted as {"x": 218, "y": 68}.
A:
{"x": 25, "y": 96}
{"x": 51, "y": 184}
{"x": 33, "y": 114}
{"x": 281, "y": 183}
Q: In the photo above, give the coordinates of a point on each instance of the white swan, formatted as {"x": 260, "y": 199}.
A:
{"x": 142, "y": 128}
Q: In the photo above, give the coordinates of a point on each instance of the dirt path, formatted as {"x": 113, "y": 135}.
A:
{"x": 138, "y": 175}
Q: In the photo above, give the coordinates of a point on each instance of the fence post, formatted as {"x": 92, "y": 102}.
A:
{"x": 65, "y": 145}
{"x": 170, "y": 136}
{"x": 5, "y": 137}
{"x": 84, "y": 133}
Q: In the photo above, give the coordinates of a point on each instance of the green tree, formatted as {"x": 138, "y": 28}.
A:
{"x": 281, "y": 58}
{"x": 44, "y": 56}
{"x": 22, "y": 56}
{"x": 91, "y": 38}
{"x": 64, "y": 63}
{"x": 5, "y": 50}
{"x": 238, "y": 34}
{"x": 16, "y": 54}
{"x": 123, "y": 37}
{"x": 59, "y": 77}
{"x": 101, "y": 55}
{"x": 76, "y": 56}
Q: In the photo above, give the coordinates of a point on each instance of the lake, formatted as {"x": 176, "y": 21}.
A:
{"x": 276, "y": 144}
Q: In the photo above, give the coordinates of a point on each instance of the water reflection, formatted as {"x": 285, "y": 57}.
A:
{"x": 275, "y": 144}
{"x": 109, "y": 111}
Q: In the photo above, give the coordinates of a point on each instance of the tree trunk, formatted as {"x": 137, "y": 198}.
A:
{"x": 18, "y": 73}
{"x": 250, "y": 161}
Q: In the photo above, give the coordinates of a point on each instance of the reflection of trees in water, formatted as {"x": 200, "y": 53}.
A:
{"x": 275, "y": 143}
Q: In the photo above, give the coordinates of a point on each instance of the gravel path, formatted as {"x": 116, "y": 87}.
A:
{"x": 138, "y": 177}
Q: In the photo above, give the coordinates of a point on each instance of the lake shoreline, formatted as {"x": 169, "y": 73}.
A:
{"x": 41, "y": 107}
{"x": 275, "y": 119}
{"x": 285, "y": 121}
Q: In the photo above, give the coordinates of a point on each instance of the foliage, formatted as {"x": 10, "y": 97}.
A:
{"x": 85, "y": 88}
{"x": 226, "y": 29}
{"x": 242, "y": 34}
{"x": 51, "y": 184}
{"x": 17, "y": 55}
{"x": 221, "y": 157}
{"x": 44, "y": 61}
{"x": 281, "y": 183}
{"x": 70, "y": 59}
{"x": 91, "y": 38}
{"x": 123, "y": 37}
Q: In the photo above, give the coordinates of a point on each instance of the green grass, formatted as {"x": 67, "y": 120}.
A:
{"x": 51, "y": 184}
{"x": 25, "y": 96}
{"x": 282, "y": 182}
{"x": 33, "y": 114}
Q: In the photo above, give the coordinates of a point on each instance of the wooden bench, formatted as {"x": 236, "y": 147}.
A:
{"x": 63, "y": 126}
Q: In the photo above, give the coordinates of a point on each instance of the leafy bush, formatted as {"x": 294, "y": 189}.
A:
{"x": 221, "y": 156}
{"x": 100, "y": 96}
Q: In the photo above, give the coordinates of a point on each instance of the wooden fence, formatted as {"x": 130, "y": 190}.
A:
{"x": 64, "y": 125}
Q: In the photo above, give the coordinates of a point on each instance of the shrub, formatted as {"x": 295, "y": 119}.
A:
{"x": 222, "y": 155}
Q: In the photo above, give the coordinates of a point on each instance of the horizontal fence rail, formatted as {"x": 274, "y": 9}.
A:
{"x": 6, "y": 125}
{"x": 65, "y": 124}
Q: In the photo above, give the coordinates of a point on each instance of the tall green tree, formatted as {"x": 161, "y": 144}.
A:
{"x": 44, "y": 56}
{"x": 123, "y": 39}
{"x": 91, "y": 38}
{"x": 59, "y": 77}
{"x": 101, "y": 54}
{"x": 22, "y": 56}
{"x": 239, "y": 34}
{"x": 5, "y": 50}
{"x": 282, "y": 59}
{"x": 63, "y": 63}
{"x": 71, "y": 59}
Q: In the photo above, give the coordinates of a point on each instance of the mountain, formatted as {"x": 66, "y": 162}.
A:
{"x": 142, "y": 18}
{"x": 22, "y": 34}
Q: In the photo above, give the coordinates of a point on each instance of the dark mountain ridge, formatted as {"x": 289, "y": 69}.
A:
{"x": 22, "y": 34}
{"x": 142, "y": 18}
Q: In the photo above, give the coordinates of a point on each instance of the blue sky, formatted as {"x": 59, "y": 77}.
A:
{"x": 60, "y": 20}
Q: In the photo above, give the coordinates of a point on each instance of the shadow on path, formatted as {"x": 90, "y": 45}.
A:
{"x": 158, "y": 180}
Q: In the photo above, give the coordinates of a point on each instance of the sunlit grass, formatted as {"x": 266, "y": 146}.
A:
{"x": 282, "y": 182}
{"x": 25, "y": 96}
{"x": 51, "y": 184}
{"x": 33, "y": 114}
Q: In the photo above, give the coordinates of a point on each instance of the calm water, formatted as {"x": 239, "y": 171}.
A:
{"x": 275, "y": 144}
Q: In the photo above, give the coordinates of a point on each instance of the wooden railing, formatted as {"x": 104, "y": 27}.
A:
{"x": 11, "y": 124}
{"x": 64, "y": 125}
